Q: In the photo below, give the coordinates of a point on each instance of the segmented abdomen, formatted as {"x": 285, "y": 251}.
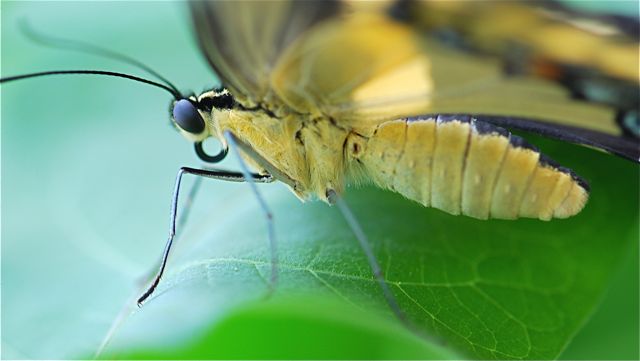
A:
{"x": 464, "y": 166}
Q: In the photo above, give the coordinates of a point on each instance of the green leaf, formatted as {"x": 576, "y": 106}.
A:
{"x": 284, "y": 328}
{"x": 489, "y": 289}
{"x": 609, "y": 334}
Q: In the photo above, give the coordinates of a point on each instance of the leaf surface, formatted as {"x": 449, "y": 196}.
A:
{"x": 489, "y": 289}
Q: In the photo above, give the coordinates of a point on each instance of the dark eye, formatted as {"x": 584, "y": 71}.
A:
{"x": 187, "y": 117}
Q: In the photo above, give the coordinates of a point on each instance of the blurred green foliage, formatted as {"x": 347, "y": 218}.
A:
{"x": 87, "y": 169}
{"x": 285, "y": 328}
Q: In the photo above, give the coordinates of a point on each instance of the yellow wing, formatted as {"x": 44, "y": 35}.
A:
{"x": 364, "y": 65}
{"x": 549, "y": 70}
{"x": 475, "y": 85}
{"x": 313, "y": 57}
{"x": 524, "y": 59}
{"x": 608, "y": 43}
{"x": 242, "y": 40}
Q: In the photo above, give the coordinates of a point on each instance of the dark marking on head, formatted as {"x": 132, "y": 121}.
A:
{"x": 220, "y": 100}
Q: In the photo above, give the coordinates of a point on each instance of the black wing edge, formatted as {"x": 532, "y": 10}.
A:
{"x": 623, "y": 147}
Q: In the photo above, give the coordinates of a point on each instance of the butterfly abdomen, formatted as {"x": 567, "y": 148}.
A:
{"x": 464, "y": 166}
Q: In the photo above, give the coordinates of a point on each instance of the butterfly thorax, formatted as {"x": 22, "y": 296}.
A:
{"x": 301, "y": 151}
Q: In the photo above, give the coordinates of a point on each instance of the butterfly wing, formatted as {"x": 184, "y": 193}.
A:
{"x": 528, "y": 103}
{"x": 242, "y": 40}
{"x": 315, "y": 58}
{"x": 365, "y": 65}
{"x": 547, "y": 70}
{"x": 625, "y": 147}
{"x": 361, "y": 66}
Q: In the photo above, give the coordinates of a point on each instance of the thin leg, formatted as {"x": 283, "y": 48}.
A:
{"x": 366, "y": 247}
{"x": 213, "y": 174}
{"x": 233, "y": 141}
{"x": 186, "y": 206}
{"x": 182, "y": 220}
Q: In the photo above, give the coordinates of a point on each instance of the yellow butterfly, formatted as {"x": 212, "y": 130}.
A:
{"x": 318, "y": 94}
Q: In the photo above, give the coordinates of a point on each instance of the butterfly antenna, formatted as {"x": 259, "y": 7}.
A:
{"x": 83, "y": 47}
{"x": 172, "y": 91}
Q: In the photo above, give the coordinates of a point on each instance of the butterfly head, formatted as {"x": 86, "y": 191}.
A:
{"x": 194, "y": 119}
{"x": 187, "y": 119}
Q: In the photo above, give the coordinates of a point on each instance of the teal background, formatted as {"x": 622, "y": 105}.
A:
{"x": 88, "y": 165}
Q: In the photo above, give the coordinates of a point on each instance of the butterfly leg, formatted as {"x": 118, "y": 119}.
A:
{"x": 205, "y": 173}
{"x": 184, "y": 216}
{"x": 233, "y": 141}
{"x": 188, "y": 203}
{"x": 371, "y": 258}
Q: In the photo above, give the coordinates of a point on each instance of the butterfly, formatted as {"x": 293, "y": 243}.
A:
{"x": 320, "y": 94}
{"x": 317, "y": 93}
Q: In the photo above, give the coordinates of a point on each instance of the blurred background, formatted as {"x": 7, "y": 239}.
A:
{"x": 88, "y": 168}
{"x": 88, "y": 165}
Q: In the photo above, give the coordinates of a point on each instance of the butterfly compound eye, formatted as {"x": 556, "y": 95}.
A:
{"x": 187, "y": 117}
